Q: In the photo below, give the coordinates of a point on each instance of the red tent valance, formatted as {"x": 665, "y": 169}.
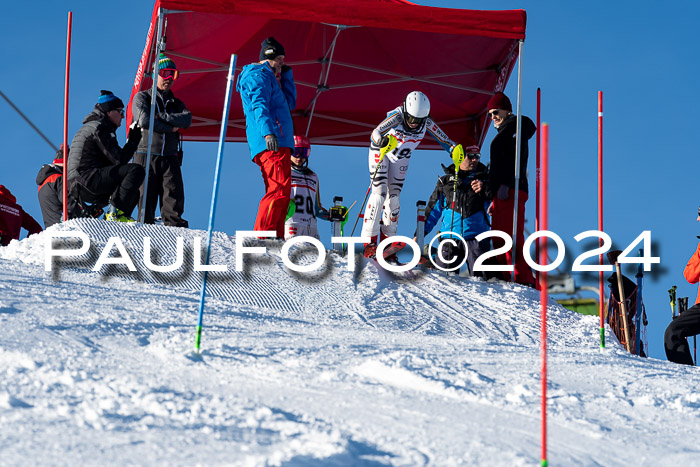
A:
{"x": 353, "y": 61}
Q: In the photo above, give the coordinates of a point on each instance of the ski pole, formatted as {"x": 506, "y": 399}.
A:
{"x": 347, "y": 211}
{"x": 458, "y": 158}
{"x": 382, "y": 152}
{"x": 623, "y": 306}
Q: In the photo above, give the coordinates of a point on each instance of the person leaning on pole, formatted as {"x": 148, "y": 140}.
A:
{"x": 502, "y": 182}
{"x": 687, "y": 323}
{"x": 269, "y": 94}
{"x": 165, "y": 175}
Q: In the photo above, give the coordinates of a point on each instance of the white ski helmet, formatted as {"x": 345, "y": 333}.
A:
{"x": 416, "y": 108}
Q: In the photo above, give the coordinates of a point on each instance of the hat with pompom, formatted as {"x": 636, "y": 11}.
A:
{"x": 108, "y": 101}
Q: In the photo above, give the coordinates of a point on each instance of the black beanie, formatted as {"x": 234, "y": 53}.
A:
{"x": 109, "y": 101}
{"x": 271, "y": 49}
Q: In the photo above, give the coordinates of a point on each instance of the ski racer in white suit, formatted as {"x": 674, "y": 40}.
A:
{"x": 305, "y": 195}
{"x": 407, "y": 123}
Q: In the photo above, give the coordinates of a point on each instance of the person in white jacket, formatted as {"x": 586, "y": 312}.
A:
{"x": 407, "y": 124}
{"x": 305, "y": 194}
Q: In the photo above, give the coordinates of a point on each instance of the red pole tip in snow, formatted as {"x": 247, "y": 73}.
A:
{"x": 600, "y": 214}
{"x": 65, "y": 120}
{"x": 544, "y": 224}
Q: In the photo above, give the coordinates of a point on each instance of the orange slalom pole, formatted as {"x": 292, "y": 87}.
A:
{"x": 544, "y": 213}
{"x": 65, "y": 120}
{"x": 600, "y": 215}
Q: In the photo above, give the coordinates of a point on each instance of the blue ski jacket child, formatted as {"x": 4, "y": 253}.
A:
{"x": 267, "y": 104}
{"x": 470, "y": 218}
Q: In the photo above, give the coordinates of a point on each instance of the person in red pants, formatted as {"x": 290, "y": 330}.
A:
{"x": 268, "y": 94}
{"x": 502, "y": 181}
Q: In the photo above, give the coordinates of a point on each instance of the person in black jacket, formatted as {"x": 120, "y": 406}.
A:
{"x": 502, "y": 181}
{"x": 164, "y": 176}
{"x": 100, "y": 166}
{"x": 468, "y": 218}
{"x": 50, "y": 181}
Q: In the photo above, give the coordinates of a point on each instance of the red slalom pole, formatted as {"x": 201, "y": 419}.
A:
{"x": 600, "y": 215}
{"x": 537, "y": 184}
{"x": 65, "y": 121}
{"x": 544, "y": 213}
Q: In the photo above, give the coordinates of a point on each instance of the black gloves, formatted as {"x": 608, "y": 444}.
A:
{"x": 285, "y": 68}
{"x": 384, "y": 141}
{"x": 134, "y": 134}
{"x": 272, "y": 144}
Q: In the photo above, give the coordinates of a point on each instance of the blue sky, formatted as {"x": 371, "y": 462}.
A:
{"x": 639, "y": 55}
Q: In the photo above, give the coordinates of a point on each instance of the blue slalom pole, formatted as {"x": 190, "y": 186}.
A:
{"x": 215, "y": 189}
{"x": 640, "y": 275}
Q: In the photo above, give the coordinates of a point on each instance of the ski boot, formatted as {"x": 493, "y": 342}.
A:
{"x": 117, "y": 215}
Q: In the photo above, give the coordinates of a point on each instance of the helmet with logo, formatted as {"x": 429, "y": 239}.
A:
{"x": 302, "y": 148}
{"x": 416, "y": 108}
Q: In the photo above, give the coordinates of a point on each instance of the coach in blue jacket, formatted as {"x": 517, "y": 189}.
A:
{"x": 269, "y": 95}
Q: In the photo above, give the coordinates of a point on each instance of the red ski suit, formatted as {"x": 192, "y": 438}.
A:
{"x": 276, "y": 168}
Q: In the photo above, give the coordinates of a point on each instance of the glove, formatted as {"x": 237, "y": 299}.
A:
{"x": 272, "y": 144}
{"x": 387, "y": 146}
{"x": 134, "y": 134}
{"x": 457, "y": 156}
{"x": 285, "y": 68}
{"x": 502, "y": 192}
{"x": 291, "y": 209}
{"x": 385, "y": 142}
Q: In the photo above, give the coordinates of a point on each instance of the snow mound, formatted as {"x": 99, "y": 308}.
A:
{"x": 328, "y": 368}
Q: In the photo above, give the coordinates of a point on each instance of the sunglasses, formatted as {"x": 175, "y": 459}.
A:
{"x": 301, "y": 152}
{"x": 414, "y": 120}
{"x": 493, "y": 113}
{"x": 473, "y": 157}
{"x": 122, "y": 112}
{"x": 168, "y": 73}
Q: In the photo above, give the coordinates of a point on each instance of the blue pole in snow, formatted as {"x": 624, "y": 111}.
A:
{"x": 215, "y": 189}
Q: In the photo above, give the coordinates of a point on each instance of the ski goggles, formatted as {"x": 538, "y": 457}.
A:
{"x": 411, "y": 120}
{"x": 301, "y": 152}
{"x": 168, "y": 73}
{"x": 473, "y": 157}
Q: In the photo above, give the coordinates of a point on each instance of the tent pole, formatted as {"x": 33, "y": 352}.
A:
{"x": 152, "y": 117}
{"x": 321, "y": 80}
{"x": 518, "y": 129}
{"x": 215, "y": 189}
{"x": 65, "y": 120}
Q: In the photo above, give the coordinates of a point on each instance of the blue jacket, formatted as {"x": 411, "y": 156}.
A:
{"x": 470, "y": 218}
{"x": 267, "y": 105}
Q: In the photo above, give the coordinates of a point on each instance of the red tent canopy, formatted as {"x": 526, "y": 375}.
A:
{"x": 353, "y": 61}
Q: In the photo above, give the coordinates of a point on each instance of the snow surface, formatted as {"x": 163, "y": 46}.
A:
{"x": 326, "y": 368}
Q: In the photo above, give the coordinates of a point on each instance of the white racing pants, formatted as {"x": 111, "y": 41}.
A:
{"x": 384, "y": 197}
